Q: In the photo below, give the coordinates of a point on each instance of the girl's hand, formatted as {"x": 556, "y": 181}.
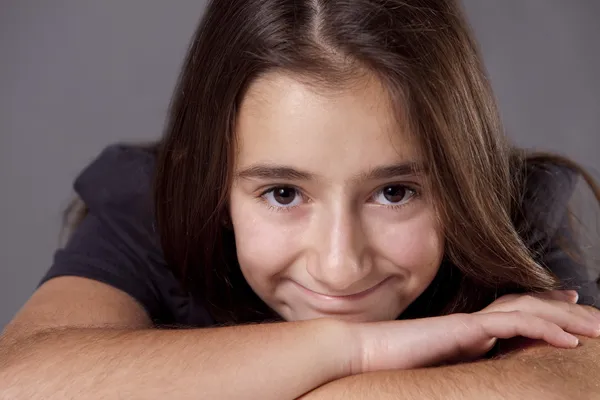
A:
{"x": 552, "y": 317}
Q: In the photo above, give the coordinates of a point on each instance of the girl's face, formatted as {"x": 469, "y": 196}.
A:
{"x": 329, "y": 218}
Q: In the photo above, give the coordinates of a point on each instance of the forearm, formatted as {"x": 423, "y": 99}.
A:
{"x": 269, "y": 361}
{"x": 539, "y": 372}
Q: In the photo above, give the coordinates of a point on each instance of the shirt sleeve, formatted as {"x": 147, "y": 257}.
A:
{"x": 550, "y": 233}
{"x": 116, "y": 242}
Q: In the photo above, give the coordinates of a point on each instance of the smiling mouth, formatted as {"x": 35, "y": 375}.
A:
{"x": 353, "y": 296}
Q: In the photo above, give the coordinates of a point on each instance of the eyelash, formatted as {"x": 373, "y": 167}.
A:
{"x": 261, "y": 197}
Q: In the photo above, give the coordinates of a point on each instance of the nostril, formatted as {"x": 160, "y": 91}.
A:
{"x": 338, "y": 277}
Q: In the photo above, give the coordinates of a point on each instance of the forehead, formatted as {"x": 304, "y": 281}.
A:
{"x": 288, "y": 121}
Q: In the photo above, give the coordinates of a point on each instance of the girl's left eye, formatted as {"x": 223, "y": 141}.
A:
{"x": 283, "y": 197}
{"x": 394, "y": 195}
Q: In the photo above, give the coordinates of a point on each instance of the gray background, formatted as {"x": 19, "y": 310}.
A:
{"x": 76, "y": 76}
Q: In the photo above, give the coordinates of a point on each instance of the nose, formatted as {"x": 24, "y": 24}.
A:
{"x": 340, "y": 252}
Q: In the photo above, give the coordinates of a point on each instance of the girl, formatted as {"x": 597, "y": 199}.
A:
{"x": 336, "y": 171}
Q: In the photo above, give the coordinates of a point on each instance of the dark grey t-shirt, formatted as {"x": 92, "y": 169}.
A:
{"x": 117, "y": 242}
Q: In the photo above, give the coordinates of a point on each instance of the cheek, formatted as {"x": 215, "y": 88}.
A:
{"x": 265, "y": 248}
{"x": 416, "y": 246}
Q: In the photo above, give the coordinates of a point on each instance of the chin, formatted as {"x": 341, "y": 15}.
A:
{"x": 292, "y": 315}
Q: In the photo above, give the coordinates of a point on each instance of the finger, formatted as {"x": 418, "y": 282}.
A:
{"x": 594, "y": 312}
{"x": 570, "y": 296}
{"x": 506, "y": 325}
{"x": 573, "y": 296}
{"x": 570, "y": 317}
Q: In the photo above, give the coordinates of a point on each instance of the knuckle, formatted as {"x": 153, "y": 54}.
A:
{"x": 505, "y": 298}
{"x": 528, "y": 300}
{"x": 573, "y": 308}
{"x": 569, "y": 308}
{"x": 520, "y": 316}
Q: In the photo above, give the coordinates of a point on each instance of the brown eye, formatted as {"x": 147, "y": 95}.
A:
{"x": 394, "y": 195}
{"x": 283, "y": 197}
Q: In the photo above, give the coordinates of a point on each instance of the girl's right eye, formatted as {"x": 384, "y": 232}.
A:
{"x": 282, "y": 197}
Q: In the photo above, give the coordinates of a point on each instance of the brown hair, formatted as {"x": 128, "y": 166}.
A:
{"x": 423, "y": 51}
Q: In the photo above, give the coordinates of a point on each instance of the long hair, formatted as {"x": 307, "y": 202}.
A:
{"x": 424, "y": 53}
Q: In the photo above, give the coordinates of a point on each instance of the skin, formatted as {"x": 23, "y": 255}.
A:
{"x": 339, "y": 237}
{"x": 311, "y": 246}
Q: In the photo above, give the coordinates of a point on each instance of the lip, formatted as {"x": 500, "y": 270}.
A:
{"x": 344, "y": 298}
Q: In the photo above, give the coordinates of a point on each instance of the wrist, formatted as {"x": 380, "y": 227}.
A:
{"x": 341, "y": 346}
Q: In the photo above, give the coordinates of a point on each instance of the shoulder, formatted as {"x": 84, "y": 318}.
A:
{"x": 117, "y": 242}
{"x": 545, "y": 195}
{"x": 120, "y": 176}
{"x": 545, "y": 224}
{"x": 548, "y": 184}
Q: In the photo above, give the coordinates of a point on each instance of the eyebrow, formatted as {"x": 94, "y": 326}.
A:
{"x": 283, "y": 172}
{"x": 404, "y": 169}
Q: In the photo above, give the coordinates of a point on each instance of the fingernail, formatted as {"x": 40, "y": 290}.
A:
{"x": 574, "y": 296}
{"x": 571, "y": 339}
{"x": 571, "y": 295}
